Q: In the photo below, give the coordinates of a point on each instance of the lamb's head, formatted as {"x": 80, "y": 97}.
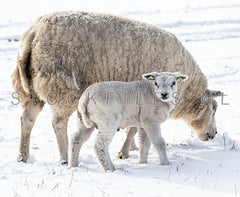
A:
{"x": 204, "y": 123}
{"x": 165, "y": 83}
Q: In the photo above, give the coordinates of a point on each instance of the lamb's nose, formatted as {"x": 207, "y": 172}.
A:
{"x": 164, "y": 95}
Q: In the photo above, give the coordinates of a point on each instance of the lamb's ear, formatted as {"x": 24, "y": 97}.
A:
{"x": 180, "y": 77}
{"x": 150, "y": 76}
{"x": 212, "y": 93}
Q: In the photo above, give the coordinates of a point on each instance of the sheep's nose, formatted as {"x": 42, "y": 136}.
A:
{"x": 210, "y": 137}
{"x": 164, "y": 95}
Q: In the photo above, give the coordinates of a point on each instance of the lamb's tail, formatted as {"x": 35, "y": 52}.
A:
{"x": 21, "y": 76}
{"x": 82, "y": 108}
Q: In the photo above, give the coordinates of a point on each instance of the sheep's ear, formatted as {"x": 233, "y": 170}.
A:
{"x": 150, "y": 76}
{"x": 212, "y": 93}
{"x": 180, "y": 77}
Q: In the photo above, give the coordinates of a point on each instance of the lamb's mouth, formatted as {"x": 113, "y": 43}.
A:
{"x": 164, "y": 98}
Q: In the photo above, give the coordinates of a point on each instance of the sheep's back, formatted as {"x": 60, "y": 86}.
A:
{"x": 72, "y": 50}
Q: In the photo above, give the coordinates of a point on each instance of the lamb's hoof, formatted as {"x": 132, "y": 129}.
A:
{"x": 122, "y": 156}
{"x": 22, "y": 158}
{"x": 165, "y": 162}
{"x": 72, "y": 165}
{"x": 110, "y": 169}
{"x": 142, "y": 161}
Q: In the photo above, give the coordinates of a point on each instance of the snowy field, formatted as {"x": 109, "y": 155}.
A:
{"x": 210, "y": 30}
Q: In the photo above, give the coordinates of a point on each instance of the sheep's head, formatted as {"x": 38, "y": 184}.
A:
{"x": 165, "y": 83}
{"x": 204, "y": 123}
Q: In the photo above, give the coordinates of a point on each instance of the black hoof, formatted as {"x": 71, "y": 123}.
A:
{"x": 64, "y": 163}
{"x": 121, "y": 156}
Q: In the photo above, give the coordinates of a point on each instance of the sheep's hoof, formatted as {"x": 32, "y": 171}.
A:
{"x": 64, "y": 162}
{"x": 134, "y": 148}
{"x": 122, "y": 156}
{"x": 22, "y": 158}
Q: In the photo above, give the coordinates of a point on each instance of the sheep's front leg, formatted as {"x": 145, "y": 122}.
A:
{"x": 76, "y": 142}
{"x": 154, "y": 134}
{"x": 102, "y": 143}
{"x": 144, "y": 146}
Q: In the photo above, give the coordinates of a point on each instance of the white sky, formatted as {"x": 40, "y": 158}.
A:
{"x": 25, "y": 9}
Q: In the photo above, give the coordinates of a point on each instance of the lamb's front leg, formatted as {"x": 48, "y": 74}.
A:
{"x": 103, "y": 140}
{"x": 144, "y": 146}
{"x": 154, "y": 133}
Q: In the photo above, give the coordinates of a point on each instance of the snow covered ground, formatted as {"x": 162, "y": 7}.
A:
{"x": 210, "y": 30}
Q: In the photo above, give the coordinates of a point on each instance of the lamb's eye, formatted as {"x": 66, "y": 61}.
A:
{"x": 156, "y": 84}
{"x": 173, "y": 83}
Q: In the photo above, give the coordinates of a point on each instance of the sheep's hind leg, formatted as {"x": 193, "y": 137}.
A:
{"x": 133, "y": 146}
{"x": 60, "y": 127}
{"x": 144, "y": 146}
{"x": 29, "y": 115}
{"x": 124, "y": 152}
{"x": 76, "y": 142}
{"x": 102, "y": 143}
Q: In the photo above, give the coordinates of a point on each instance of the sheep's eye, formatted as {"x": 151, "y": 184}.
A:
{"x": 173, "y": 83}
{"x": 156, "y": 84}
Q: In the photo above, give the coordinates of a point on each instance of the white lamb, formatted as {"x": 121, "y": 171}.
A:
{"x": 112, "y": 105}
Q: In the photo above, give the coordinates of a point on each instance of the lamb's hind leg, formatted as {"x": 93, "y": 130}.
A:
{"x": 76, "y": 142}
{"x": 124, "y": 152}
{"x": 29, "y": 115}
{"x": 102, "y": 143}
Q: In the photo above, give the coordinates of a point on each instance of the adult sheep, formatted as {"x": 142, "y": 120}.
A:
{"x": 63, "y": 53}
